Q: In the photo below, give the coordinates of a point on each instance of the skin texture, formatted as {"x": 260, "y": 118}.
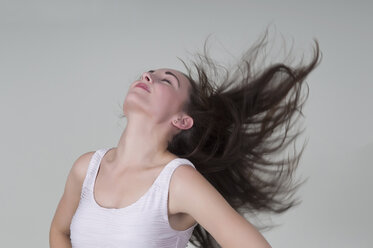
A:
{"x": 152, "y": 119}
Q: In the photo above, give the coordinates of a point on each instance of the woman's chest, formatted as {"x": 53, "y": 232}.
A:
{"x": 113, "y": 191}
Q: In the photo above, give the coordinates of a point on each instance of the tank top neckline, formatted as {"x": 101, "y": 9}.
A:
{"x": 101, "y": 153}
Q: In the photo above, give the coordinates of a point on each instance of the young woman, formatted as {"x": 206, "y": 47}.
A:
{"x": 190, "y": 162}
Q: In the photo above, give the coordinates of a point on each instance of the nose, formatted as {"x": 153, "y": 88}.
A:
{"x": 147, "y": 77}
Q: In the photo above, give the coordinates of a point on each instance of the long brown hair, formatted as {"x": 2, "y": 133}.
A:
{"x": 236, "y": 117}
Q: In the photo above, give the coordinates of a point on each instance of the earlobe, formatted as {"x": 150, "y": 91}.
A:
{"x": 178, "y": 119}
{"x": 175, "y": 122}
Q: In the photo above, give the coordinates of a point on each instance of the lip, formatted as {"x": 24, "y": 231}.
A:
{"x": 144, "y": 86}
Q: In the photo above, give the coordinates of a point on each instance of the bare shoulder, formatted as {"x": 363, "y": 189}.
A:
{"x": 79, "y": 169}
{"x": 186, "y": 173}
{"x": 183, "y": 178}
{"x": 197, "y": 197}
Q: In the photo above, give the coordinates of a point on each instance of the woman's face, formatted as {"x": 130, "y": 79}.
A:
{"x": 167, "y": 90}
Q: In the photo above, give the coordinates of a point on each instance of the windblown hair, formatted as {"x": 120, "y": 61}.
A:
{"x": 235, "y": 119}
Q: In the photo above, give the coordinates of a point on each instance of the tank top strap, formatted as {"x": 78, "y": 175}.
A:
{"x": 165, "y": 176}
{"x": 93, "y": 167}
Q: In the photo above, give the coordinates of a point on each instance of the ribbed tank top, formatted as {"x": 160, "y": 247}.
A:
{"x": 143, "y": 224}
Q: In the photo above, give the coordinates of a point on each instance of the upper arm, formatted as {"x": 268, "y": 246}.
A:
{"x": 198, "y": 198}
{"x": 71, "y": 196}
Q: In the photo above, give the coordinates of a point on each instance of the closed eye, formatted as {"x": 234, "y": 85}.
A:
{"x": 167, "y": 81}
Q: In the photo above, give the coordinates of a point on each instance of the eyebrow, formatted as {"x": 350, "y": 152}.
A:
{"x": 170, "y": 73}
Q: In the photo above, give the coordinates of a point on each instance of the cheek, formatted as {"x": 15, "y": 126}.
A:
{"x": 166, "y": 100}
{"x": 166, "y": 104}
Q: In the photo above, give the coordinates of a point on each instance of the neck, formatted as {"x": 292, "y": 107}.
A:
{"x": 142, "y": 144}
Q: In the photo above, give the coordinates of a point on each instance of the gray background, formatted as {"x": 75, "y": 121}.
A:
{"x": 65, "y": 67}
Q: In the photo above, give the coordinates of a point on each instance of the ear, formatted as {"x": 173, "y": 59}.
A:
{"x": 183, "y": 122}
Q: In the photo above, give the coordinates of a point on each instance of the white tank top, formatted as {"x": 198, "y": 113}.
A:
{"x": 143, "y": 224}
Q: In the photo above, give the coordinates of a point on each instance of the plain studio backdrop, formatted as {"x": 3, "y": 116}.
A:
{"x": 65, "y": 68}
